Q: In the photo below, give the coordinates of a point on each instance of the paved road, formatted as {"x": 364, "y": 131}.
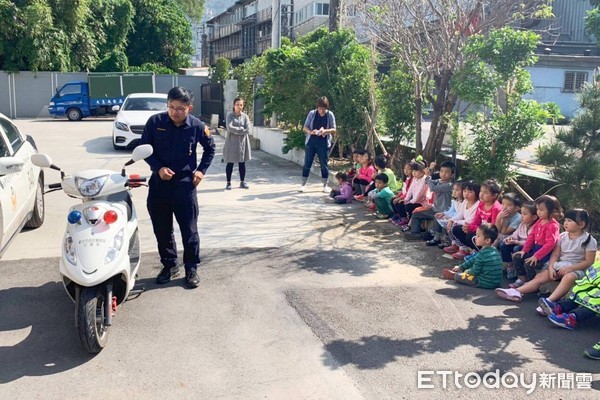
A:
{"x": 299, "y": 299}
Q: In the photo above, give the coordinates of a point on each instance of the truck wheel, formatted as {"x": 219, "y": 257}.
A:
{"x": 93, "y": 334}
{"x": 74, "y": 114}
{"x": 39, "y": 207}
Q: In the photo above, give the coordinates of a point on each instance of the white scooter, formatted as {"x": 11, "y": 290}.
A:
{"x": 101, "y": 247}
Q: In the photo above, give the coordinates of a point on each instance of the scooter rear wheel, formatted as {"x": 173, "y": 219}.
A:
{"x": 93, "y": 333}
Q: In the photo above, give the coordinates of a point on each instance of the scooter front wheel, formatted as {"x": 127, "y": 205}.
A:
{"x": 93, "y": 333}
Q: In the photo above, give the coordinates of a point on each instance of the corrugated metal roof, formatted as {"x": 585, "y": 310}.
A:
{"x": 569, "y": 23}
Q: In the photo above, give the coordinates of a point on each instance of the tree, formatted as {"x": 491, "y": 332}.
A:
{"x": 574, "y": 157}
{"x": 222, "y": 70}
{"x": 592, "y": 19}
{"x": 246, "y": 75}
{"x": 114, "y": 18}
{"x": 428, "y": 37}
{"x": 335, "y": 9}
{"x": 29, "y": 39}
{"x": 495, "y": 79}
{"x": 194, "y": 9}
{"x": 114, "y": 61}
{"x": 161, "y": 35}
{"x": 395, "y": 102}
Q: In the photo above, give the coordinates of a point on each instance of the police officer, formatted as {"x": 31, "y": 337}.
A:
{"x": 174, "y": 135}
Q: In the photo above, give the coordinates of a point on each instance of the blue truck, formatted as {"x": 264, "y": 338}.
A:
{"x": 98, "y": 95}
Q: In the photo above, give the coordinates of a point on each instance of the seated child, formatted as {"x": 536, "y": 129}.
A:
{"x": 382, "y": 196}
{"x": 380, "y": 165}
{"x": 485, "y": 269}
{"x": 573, "y": 254}
{"x": 464, "y": 216}
{"x": 540, "y": 242}
{"x": 582, "y": 304}
{"x": 509, "y": 218}
{"x": 441, "y": 190}
{"x": 516, "y": 240}
{"x": 415, "y": 196}
{"x": 355, "y": 166}
{"x": 365, "y": 175}
{"x": 442, "y": 218}
{"x": 343, "y": 194}
{"x": 487, "y": 211}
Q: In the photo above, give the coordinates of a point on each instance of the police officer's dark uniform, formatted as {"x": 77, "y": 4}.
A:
{"x": 175, "y": 148}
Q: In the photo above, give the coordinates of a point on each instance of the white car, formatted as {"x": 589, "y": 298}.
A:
{"x": 21, "y": 184}
{"x": 133, "y": 115}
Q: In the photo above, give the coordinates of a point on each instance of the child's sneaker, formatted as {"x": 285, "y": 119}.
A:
{"x": 565, "y": 320}
{"x": 593, "y": 352}
{"x": 511, "y": 273}
{"x": 359, "y": 197}
{"x": 549, "y": 307}
{"x": 447, "y": 273}
{"x": 403, "y": 221}
{"x": 373, "y": 207}
{"x": 380, "y": 215}
{"x": 405, "y": 228}
{"x": 539, "y": 310}
{"x": 516, "y": 284}
{"x": 451, "y": 249}
{"x": 459, "y": 255}
{"x": 509, "y": 294}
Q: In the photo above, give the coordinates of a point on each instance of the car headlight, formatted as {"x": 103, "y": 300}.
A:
{"x": 121, "y": 126}
{"x": 90, "y": 187}
{"x": 51, "y": 103}
{"x": 69, "y": 249}
{"x": 115, "y": 248}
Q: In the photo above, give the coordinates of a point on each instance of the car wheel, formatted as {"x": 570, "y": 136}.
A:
{"x": 39, "y": 207}
{"x": 74, "y": 114}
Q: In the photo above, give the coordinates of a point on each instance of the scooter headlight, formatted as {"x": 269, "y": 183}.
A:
{"x": 115, "y": 248}
{"x": 69, "y": 249}
{"x": 90, "y": 187}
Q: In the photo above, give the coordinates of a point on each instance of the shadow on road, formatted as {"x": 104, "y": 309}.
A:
{"x": 51, "y": 346}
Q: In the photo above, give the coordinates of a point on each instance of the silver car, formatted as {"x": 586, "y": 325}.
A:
{"x": 21, "y": 184}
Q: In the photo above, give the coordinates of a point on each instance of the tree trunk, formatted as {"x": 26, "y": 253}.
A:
{"x": 438, "y": 125}
{"x": 334, "y": 14}
{"x": 418, "y": 117}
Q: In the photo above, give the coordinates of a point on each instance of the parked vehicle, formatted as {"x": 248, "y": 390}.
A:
{"x": 133, "y": 115}
{"x": 98, "y": 95}
{"x": 101, "y": 246}
{"x": 21, "y": 184}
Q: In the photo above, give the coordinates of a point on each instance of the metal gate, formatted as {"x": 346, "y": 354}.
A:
{"x": 211, "y": 102}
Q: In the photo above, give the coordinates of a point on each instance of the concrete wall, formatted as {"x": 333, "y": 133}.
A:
{"x": 548, "y": 87}
{"x": 271, "y": 141}
{"x": 26, "y": 94}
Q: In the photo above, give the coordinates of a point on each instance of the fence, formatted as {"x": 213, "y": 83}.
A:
{"x": 26, "y": 94}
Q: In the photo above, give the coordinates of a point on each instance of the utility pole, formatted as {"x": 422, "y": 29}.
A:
{"x": 275, "y": 38}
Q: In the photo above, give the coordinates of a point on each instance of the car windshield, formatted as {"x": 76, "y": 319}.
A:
{"x": 145, "y": 104}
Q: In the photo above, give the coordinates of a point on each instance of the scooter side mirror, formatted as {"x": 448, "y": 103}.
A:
{"x": 41, "y": 160}
{"x": 141, "y": 152}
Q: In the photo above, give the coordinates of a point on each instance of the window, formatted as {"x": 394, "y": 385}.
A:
{"x": 70, "y": 89}
{"x": 13, "y": 135}
{"x": 321, "y": 9}
{"x": 574, "y": 81}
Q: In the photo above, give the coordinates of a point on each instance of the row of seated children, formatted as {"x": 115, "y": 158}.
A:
{"x": 495, "y": 237}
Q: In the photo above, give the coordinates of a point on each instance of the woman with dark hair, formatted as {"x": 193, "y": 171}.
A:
{"x": 237, "y": 144}
{"x": 319, "y": 128}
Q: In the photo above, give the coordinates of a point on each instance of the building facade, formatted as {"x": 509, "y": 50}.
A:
{"x": 241, "y": 31}
{"x": 568, "y": 56}
{"x": 246, "y": 28}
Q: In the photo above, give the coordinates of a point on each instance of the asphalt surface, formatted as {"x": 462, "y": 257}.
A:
{"x": 299, "y": 299}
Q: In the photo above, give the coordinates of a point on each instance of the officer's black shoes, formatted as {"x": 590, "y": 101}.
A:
{"x": 244, "y": 185}
{"x": 192, "y": 280}
{"x": 228, "y": 187}
{"x": 166, "y": 274}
